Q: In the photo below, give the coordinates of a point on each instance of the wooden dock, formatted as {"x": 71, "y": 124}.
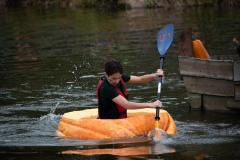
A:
{"x": 212, "y": 84}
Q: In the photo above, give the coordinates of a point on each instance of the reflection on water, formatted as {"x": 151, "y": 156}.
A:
{"x": 155, "y": 149}
{"x": 51, "y": 60}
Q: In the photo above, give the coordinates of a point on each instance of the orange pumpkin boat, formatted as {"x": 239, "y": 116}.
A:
{"x": 84, "y": 124}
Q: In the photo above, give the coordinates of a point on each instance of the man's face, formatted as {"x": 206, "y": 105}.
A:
{"x": 114, "y": 79}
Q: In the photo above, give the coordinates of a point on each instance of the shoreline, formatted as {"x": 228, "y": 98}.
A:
{"x": 118, "y": 4}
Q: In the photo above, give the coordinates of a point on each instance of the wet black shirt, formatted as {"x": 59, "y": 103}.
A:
{"x": 106, "y": 107}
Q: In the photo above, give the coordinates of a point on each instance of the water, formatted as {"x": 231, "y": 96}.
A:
{"x": 51, "y": 60}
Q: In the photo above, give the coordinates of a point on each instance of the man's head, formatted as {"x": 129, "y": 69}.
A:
{"x": 114, "y": 71}
{"x": 112, "y": 67}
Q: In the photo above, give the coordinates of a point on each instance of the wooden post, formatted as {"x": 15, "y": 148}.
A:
{"x": 236, "y": 71}
{"x": 195, "y": 101}
{"x": 237, "y": 92}
{"x": 185, "y": 43}
{"x": 236, "y": 78}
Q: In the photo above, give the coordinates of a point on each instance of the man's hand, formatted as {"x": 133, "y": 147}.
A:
{"x": 156, "y": 104}
{"x": 158, "y": 73}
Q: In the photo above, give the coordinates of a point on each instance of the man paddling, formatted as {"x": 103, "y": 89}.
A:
{"x": 112, "y": 93}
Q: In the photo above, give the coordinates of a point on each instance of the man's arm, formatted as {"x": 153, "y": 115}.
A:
{"x": 146, "y": 78}
{"x": 120, "y": 100}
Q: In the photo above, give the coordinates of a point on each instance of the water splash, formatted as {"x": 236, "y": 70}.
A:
{"x": 158, "y": 136}
{"x": 51, "y": 118}
{"x": 54, "y": 108}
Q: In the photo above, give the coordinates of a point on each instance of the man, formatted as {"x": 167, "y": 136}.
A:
{"x": 112, "y": 93}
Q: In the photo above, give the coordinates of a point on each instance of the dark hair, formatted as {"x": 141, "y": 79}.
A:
{"x": 112, "y": 67}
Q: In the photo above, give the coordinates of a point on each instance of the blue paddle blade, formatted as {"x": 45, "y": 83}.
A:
{"x": 164, "y": 39}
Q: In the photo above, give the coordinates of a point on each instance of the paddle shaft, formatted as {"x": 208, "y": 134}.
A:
{"x": 157, "y": 118}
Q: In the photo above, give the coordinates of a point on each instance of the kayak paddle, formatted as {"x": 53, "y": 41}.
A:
{"x": 164, "y": 40}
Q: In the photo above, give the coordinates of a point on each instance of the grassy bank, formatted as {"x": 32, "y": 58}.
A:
{"x": 113, "y": 4}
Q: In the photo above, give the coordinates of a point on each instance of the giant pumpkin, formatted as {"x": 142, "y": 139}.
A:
{"x": 85, "y": 125}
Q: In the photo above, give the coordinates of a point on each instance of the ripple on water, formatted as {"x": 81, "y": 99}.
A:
{"x": 206, "y": 133}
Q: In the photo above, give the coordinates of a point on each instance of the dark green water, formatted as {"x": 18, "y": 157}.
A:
{"x": 50, "y": 62}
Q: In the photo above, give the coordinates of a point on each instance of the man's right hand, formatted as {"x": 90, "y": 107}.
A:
{"x": 157, "y": 103}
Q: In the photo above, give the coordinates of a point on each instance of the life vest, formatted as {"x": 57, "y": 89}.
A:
{"x": 123, "y": 92}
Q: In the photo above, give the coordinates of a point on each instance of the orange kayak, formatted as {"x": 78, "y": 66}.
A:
{"x": 84, "y": 124}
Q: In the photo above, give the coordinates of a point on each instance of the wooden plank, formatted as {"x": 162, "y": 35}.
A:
{"x": 215, "y": 103}
{"x": 219, "y": 69}
{"x": 195, "y": 101}
{"x": 237, "y": 91}
{"x": 236, "y": 71}
{"x": 234, "y": 105}
{"x": 185, "y": 43}
{"x": 209, "y": 86}
{"x": 221, "y": 104}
